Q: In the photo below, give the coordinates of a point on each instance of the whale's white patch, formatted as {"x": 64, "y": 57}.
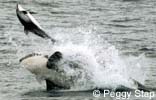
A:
{"x": 35, "y": 64}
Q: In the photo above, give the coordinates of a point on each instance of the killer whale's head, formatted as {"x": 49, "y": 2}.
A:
{"x": 46, "y": 68}
{"x": 36, "y": 60}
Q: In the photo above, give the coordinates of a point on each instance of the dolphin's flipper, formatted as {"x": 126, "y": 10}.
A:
{"x": 31, "y": 12}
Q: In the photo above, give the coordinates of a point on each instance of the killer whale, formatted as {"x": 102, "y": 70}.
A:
{"x": 47, "y": 68}
{"x": 30, "y": 24}
{"x": 40, "y": 66}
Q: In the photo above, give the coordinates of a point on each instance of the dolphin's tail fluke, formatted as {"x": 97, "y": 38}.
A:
{"x": 42, "y": 34}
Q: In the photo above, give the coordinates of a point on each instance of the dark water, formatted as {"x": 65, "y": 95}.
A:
{"x": 129, "y": 25}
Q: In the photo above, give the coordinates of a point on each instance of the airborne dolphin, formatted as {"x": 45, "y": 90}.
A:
{"x": 30, "y": 24}
{"x": 49, "y": 69}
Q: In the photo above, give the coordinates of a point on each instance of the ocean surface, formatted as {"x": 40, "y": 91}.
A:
{"x": 122, "y": 33}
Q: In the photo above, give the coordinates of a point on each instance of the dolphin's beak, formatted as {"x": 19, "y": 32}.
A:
{"x": 19, "y": 8}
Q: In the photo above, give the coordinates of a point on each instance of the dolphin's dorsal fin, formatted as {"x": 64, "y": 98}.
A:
{"x": 141, "y": 86}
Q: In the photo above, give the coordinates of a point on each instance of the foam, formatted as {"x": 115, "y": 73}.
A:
{"x": 107, "y": 67}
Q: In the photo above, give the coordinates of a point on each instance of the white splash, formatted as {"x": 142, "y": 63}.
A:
{"x": 104, "y": 65}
